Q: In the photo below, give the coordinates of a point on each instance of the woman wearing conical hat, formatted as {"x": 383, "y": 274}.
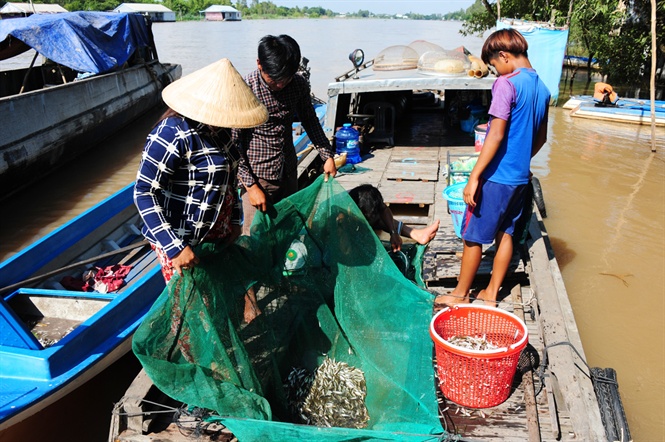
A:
{"x": 185, "y": 187}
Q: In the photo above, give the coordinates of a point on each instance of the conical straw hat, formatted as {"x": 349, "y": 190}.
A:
{"x": 216, "y": 95}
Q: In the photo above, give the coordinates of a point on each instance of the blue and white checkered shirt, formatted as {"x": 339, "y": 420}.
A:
{"x": 181, "y": 183}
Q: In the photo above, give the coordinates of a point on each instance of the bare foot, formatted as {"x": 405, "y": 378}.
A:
{"x": 251, "y": 308}
{"x": 488, "y": 299}
{"x": 426, "y": 234}
{"x": 451, "y": 298}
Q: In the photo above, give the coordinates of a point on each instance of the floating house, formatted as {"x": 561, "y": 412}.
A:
{"x": 222, "y": 13}
{"x": 157, "y": 13}
{"x": 10, "y": 10}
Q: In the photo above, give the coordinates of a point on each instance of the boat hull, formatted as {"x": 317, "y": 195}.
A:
{"x": 630, "y": 111}
{"x": 45, "y": 128}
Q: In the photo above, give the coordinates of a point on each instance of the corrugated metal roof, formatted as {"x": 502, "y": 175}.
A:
{"x": 220, "y": 8}
{"x": 141, "y": 7}
{"x": 40, "y": 8}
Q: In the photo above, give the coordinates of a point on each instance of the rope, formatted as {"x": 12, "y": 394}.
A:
{"x": 614, "y": 238}
{"x": 541, "y": 369}
{"x": 166, "y": 408}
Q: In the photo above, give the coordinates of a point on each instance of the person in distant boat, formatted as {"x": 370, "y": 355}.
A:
{"x": 604, "y": 94}
{"x": 498, "y": 183}
{"x": 185, "y": 187}
{"x": 268, "y": 165}
{"x": 379, "y": 216}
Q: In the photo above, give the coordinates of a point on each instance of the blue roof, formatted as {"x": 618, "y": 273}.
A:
{"x": 96, "y": 42}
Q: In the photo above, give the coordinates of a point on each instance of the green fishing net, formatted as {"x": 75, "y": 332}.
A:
{"x": 328, "y": 292}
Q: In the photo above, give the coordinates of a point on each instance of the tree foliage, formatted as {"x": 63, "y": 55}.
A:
{"x": 616, "y": 32}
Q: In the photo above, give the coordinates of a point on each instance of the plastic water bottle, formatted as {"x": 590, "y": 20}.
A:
{"x": 347, "y": 141}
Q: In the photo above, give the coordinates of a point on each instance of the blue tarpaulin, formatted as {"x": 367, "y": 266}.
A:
{"x": 547, "y": 47}
{"x": 95, "y": 42}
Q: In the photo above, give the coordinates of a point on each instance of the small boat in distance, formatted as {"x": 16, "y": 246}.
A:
{"x": 625, "y": 110}
{"x": 54, "y": 336}
{"x": 574, "y": 61}
{"x": 100, "y": 72}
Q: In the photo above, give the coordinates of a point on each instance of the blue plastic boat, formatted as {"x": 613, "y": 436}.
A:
{"x": 625, "y": 110}
{"x": 52, "y": 338}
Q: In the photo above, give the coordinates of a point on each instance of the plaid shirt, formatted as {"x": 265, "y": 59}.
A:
{"x": 267, "y": 150}
{"x": 181, "y": 183}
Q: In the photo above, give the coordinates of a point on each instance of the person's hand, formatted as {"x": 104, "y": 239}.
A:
{"x": 470, "y": 192}
{"x": 329, "y": 168}
{"x": 396, "y": 241}
{"x": 184, "y": 260}
{"x": 257, "y": 198}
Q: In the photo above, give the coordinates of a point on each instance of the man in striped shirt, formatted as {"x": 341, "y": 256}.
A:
{"x": 268, "y": 166}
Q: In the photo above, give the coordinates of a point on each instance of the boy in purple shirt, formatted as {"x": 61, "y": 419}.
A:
{"x": 495, "y": 191}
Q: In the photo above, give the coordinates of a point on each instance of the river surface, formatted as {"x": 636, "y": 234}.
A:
{"x": 603, "y": 188}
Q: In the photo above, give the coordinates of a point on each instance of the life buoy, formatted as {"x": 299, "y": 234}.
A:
{"x": 538, "y": 196}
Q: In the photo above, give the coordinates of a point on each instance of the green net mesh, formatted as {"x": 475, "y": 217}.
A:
{"x": 329, "y": 292}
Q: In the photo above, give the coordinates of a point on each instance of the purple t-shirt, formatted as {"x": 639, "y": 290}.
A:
{"x": 521, "y": 99}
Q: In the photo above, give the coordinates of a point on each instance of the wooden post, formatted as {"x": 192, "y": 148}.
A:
{"x": 653, "y": 76}
{"x": 25, "y": 79}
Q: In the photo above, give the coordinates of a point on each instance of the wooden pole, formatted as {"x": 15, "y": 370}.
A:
{"x": 652, "y": 93}
{"x": 27, "y": 73}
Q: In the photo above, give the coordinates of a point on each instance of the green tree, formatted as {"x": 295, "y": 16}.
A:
{"x": 616, "y": 32}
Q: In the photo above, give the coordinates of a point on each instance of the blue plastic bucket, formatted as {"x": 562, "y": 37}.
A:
{"x": 456, "y": 206}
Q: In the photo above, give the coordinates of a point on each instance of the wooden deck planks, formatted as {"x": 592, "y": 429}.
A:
{"x": 407, "y": 192}
{"x": 412, "y": 170}
{"x": 413, "y": 164}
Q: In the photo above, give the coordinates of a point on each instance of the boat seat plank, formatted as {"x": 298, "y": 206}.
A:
{"x": 448, "y": 265}
{"x": 349, "y": 181}
{"x": 529, "y": 391}
{"x": 412, "y": 192}
{"x": 413, "y": 170}
{"x": 419, "y": 153}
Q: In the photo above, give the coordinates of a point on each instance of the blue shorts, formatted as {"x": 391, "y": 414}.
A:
{"x": 498, "y": 207}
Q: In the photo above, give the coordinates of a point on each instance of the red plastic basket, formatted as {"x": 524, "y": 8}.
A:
{"x": 477, "y": 378}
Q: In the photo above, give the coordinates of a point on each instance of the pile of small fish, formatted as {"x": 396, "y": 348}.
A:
{"x": 332, "y": 396}
{"x": 472, "y": 342}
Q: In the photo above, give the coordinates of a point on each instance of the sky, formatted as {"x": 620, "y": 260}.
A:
{"x": 382, "y": 6}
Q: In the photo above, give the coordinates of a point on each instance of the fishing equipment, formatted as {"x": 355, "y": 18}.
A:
{"x": 346, "y": 302}
{"x": 472, "y": 377}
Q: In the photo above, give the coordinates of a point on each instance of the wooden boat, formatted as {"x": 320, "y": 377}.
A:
{"x": 55, "y": 111}
{"x": 53, "y": 339}
{"x": 625, "y": 110}
{"x": 410, "y": 142}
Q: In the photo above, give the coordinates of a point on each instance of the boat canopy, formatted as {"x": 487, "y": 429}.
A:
{"x": 95, "y": 42}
